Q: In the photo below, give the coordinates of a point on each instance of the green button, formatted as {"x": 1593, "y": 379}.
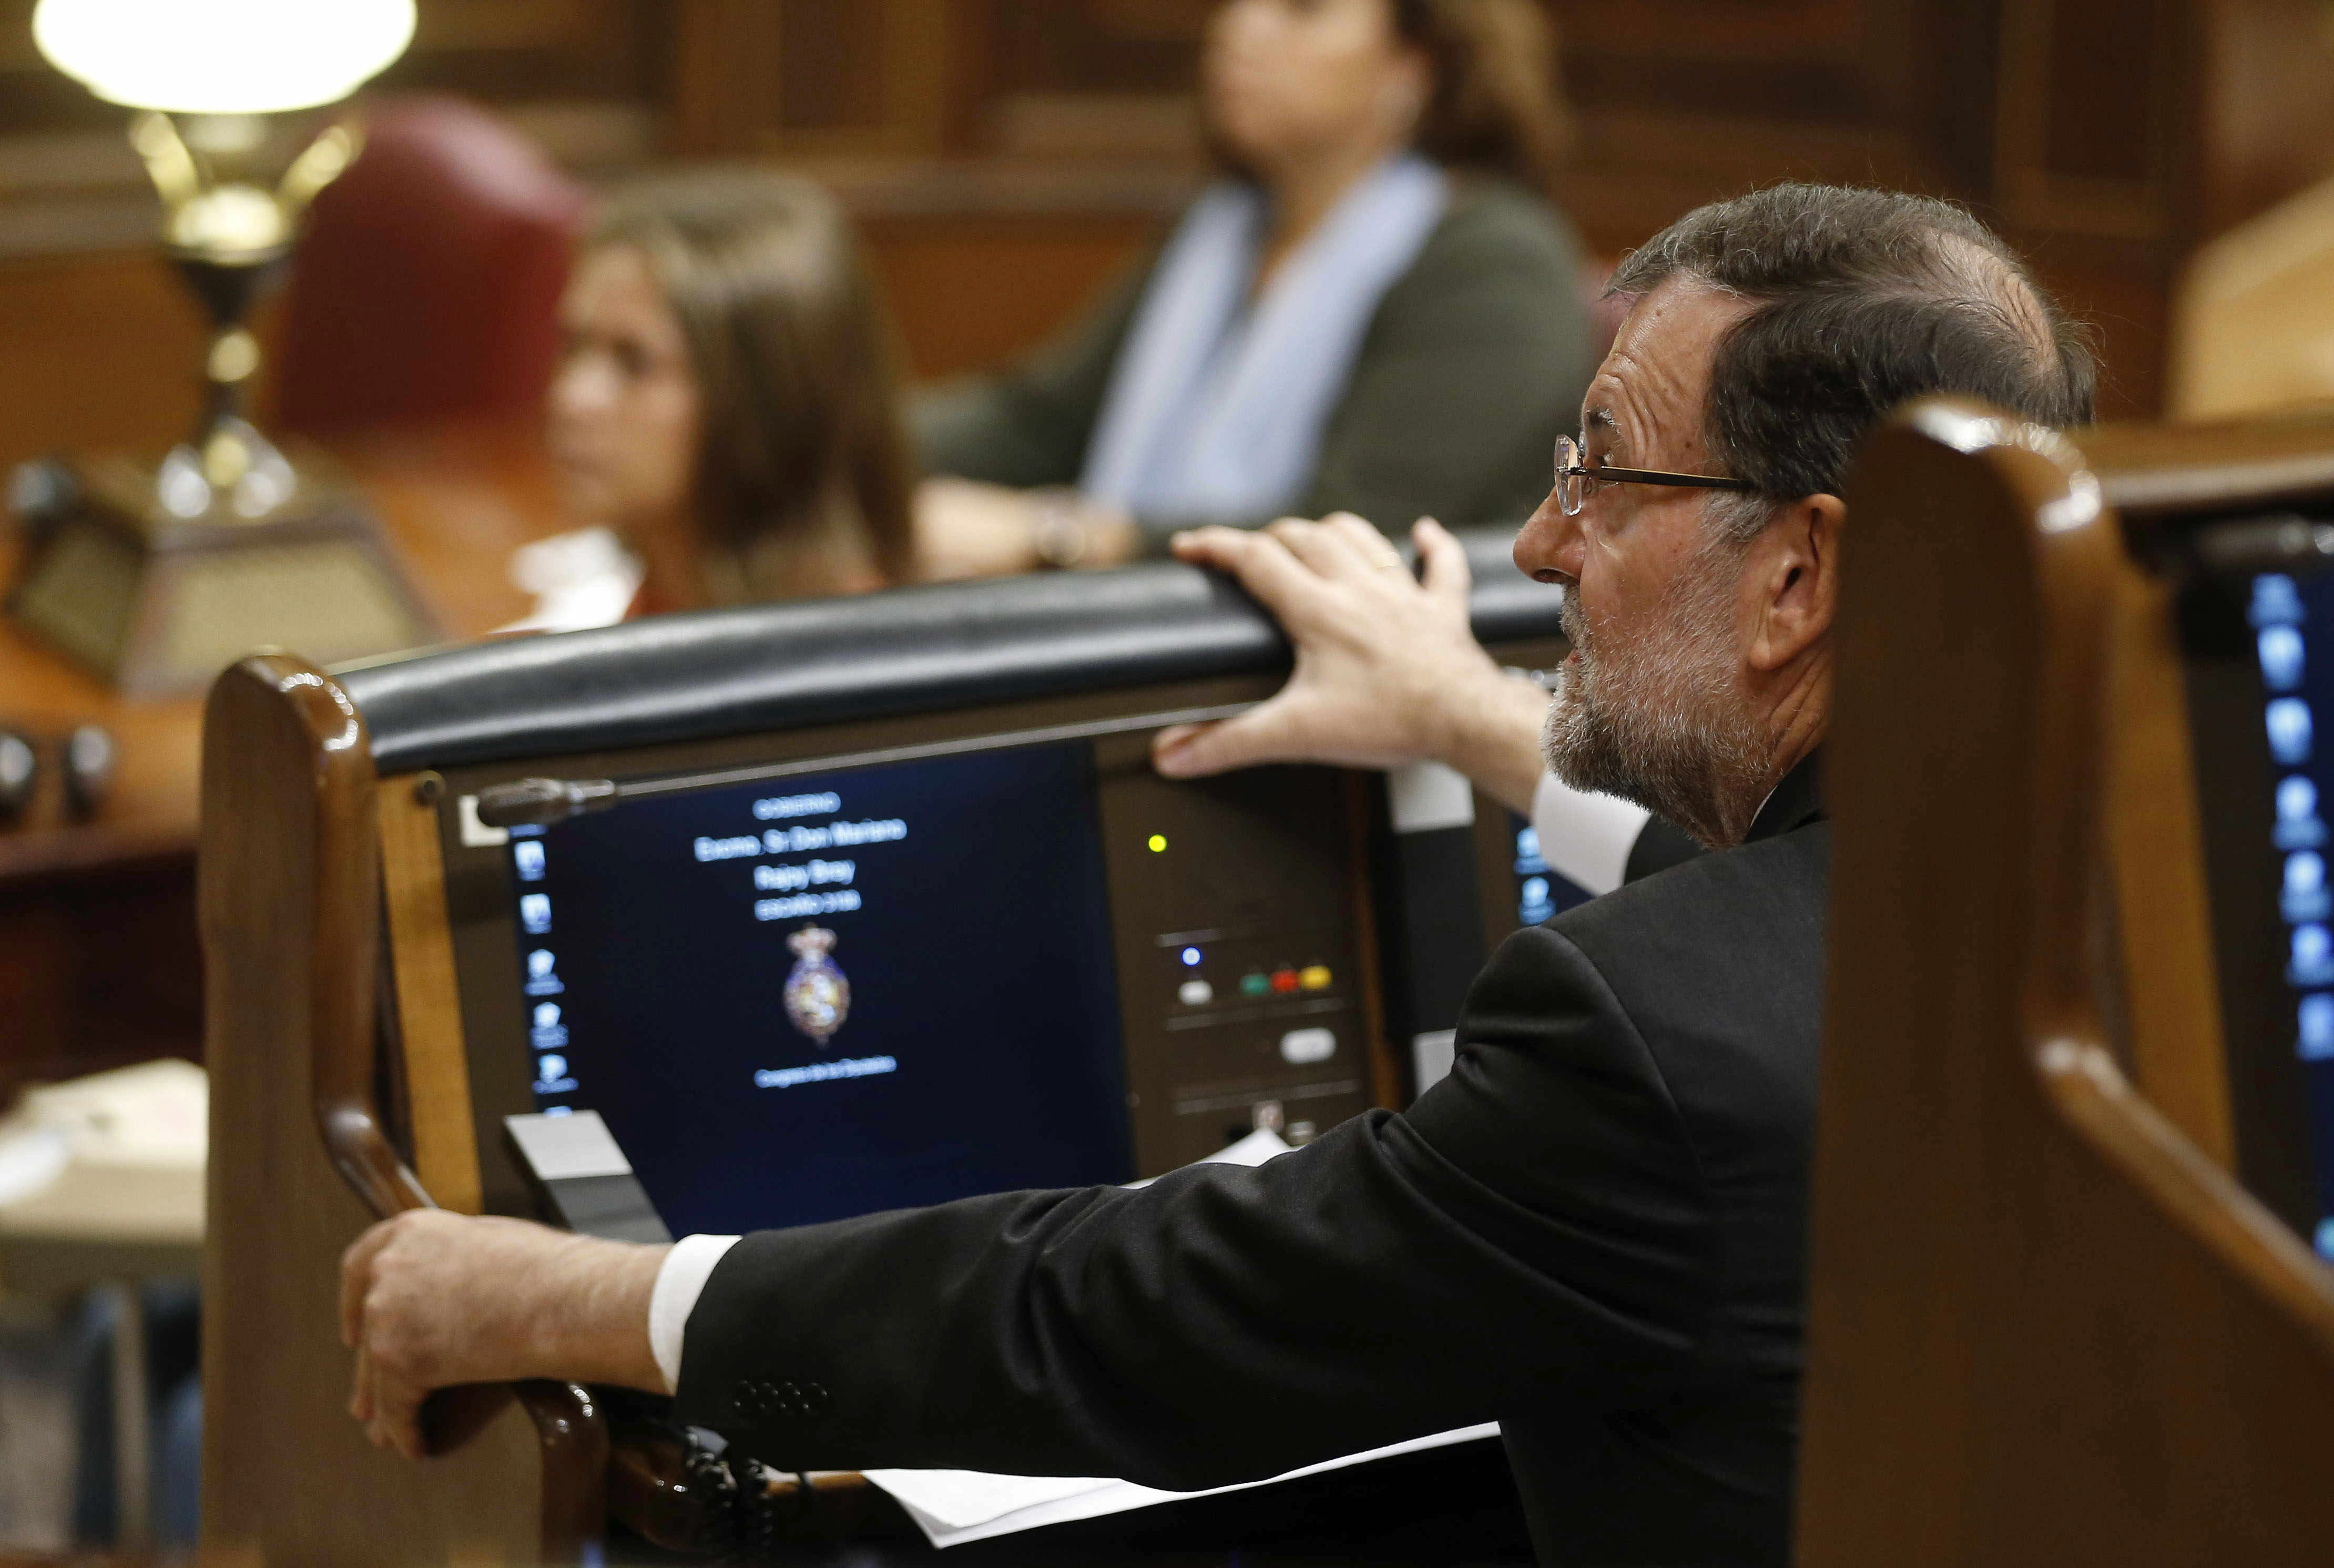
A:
{"x": 1254, "y": 984}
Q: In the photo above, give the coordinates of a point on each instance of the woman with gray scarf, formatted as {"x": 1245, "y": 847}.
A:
{"x": 1375, "y": 310}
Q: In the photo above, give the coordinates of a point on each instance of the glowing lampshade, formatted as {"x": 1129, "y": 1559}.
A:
{"x": 222, "y": 56}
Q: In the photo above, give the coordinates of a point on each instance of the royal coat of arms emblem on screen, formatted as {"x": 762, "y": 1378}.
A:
{"x": 818, "y": 996}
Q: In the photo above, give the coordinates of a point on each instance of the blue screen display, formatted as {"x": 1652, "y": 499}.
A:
{"x": 2292, "y": 623}
{"x": 824, "y": 996}
{"x": 1542, "y": 891}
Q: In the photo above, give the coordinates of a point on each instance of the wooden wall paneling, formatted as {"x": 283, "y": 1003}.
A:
{"x": 518, "y": 50}
{"x": 877, "y": 81}
{"x": 1692, "y": 101}
{"x": 919, "y": 46}
{"x": 2122, "y": 291}
{"x": 34, "y": 96}
{"x": 831, "y": 66}
{"x": 436, "y": 1070}
{"x": 1634, "y": 172}
{"x": 105, "y": 352}
{"x": 1033, "y": 273}
{"x": 1081, "y": 82}
{"x": 1946, "y": 76}
{"x": 39, "y": 944}
{"x": 725, "y": 74}
{"x": 98, "y": 969}
{"x": 2262, "y": 68}
{"x": 1671, "y": 53}
{"x": 817, "y": 78}
{"x": 2088, "y": 113}
{"x": 1105, "y": 47}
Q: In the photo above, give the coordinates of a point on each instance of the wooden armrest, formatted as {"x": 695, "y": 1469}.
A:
{"x": 345, "y": 938}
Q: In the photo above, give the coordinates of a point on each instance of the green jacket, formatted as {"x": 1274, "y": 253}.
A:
{"x": 1472, "y": 366}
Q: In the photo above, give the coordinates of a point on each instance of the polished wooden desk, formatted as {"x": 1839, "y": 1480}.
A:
{"x": 98, "y": 960}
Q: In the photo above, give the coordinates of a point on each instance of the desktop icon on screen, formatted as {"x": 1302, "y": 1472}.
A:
{"x": 527, "y": 854}
{"x": 2276, "y": 601}
{"x": 2298, "y": 826}
{"x": 535, "y": 913}
{"x": 2313, "y": 956}
{"x": 2317, "y": 1027}
{"x": 2289, "y": 730}
{"x": 2280, "y": 657}
{"x": 1530, "y": 861}
{"x": 542, "y": 979}
{"x": 2304, "y": 896}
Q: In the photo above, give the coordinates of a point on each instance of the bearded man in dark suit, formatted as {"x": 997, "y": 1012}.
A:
{"x": 1593, "y": 1231}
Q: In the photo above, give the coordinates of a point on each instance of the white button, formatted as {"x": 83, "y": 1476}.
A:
{"x": 1299, "y": 1046}
{"x": 1195, "y": 994}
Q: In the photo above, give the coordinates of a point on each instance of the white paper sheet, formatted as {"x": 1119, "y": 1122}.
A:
{"x": 580, "y": 581}
{"x": 1257, "y": 1148}
{"x": 953, "y": 1508}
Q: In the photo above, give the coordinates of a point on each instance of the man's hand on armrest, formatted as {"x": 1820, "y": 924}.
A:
{"x": 432, "y": 1299}
{"x": 1388, "y": 670}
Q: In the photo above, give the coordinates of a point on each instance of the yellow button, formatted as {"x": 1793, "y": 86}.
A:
{"x": 1316, "y": 977}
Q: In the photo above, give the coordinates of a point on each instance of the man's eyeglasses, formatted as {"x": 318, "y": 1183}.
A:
{"x": 1576, "y": 482}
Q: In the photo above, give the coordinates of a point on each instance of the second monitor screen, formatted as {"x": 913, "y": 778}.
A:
{"x": 824, "y": 996}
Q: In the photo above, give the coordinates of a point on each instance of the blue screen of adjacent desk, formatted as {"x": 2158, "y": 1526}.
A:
{"x": 824, "y": 996}
{"x": 2293, "y": 629}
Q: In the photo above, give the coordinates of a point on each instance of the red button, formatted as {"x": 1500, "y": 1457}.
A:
{"x": 1285, "y": 980}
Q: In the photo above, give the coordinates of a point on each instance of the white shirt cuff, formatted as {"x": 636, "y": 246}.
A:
{"x": 1585, "y": 839}
{"x": 679, "y": 1283}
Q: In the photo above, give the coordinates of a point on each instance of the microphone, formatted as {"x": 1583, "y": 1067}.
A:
{"x": 90, "y": 755}
{"x": 20, "y": 774}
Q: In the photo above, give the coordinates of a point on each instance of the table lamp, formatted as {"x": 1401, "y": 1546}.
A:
{"x": 158, "y": 575}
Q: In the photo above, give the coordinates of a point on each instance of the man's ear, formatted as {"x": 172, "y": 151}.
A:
{"x": 1796, "y": 565}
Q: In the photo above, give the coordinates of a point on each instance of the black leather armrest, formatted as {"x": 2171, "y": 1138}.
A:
{"x": 816, "y": 661}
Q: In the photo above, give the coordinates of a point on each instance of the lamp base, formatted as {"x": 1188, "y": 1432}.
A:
{"x": 158, "y": 603}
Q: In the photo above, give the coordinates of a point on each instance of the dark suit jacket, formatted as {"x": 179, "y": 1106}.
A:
{"x": 1592, "y": 1232}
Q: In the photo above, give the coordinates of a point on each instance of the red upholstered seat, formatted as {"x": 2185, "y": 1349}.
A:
{"x": 427, "y": 284}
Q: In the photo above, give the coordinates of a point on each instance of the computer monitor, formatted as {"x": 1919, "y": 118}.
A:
{"x": 2257, "y": 622}
{"x": 890, "y": 982}
{"x": 880, "y": 944}
{"x": 877, "y": 987}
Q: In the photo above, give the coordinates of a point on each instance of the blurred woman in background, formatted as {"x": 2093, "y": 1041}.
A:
{"x": 1375, "y": 311}
{"x": 728, "y": 403}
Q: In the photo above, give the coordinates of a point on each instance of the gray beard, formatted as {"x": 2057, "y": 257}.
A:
{"x": 1659, "y": 718}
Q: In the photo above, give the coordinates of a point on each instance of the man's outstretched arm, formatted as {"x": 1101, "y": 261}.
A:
{"x": 1534, "y": 1230}
{"x": 1388, "y": 670}
{"x": 432, "y": 1299}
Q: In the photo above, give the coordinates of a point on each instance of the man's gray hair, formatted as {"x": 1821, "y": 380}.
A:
{"x": 1864, "y": 299}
